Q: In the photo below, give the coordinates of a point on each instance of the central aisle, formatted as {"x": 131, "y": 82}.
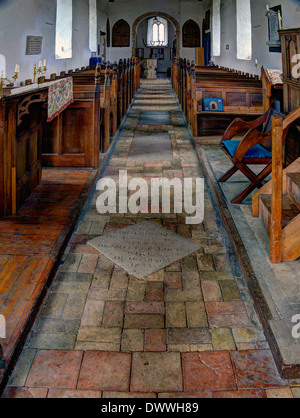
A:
{"x": 189, "y": 330}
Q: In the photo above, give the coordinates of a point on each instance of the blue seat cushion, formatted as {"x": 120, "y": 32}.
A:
{"x": 255, "y": 152}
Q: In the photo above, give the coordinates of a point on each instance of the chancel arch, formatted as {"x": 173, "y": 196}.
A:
{"x": 154, "y": 14}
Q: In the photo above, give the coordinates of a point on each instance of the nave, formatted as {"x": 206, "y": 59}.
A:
{"x": 189, "y": 330}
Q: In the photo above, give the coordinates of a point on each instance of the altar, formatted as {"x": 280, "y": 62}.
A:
{"x": 150, "y": 69}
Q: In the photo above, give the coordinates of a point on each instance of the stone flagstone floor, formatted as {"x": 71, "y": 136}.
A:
{"x": 189, "y": 330}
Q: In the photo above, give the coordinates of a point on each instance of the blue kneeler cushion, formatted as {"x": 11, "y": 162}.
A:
{"x": 213, "y": 104}
{"x": 255, "y": 152}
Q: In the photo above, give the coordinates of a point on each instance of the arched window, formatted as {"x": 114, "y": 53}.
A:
{"x": 191, "y": 34}
{"x": 121, "y": 34}
{"x": 216, "y": 28}
{"x": 244, "y": 30}
{"x": 64, "y": 22}
{"x": 157, "y": 32}
{"x": 2, "y": 65}
{"x": 93, "y": 44}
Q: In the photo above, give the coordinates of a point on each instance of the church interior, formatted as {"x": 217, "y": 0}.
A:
{"x": 149, "y": 199}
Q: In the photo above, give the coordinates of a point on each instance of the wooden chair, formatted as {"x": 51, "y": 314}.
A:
{"x": 255, "y": 148}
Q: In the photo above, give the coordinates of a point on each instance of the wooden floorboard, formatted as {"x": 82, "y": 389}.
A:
{"x": 31, "y": 243}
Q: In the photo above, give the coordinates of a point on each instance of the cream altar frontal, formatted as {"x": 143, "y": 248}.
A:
{"x": 150, "y": 69}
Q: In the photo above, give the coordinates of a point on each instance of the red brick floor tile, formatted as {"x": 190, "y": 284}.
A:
{"x": 83, "y": 249}
{"x": 241, "y": 394}
{"x": 208, "y": 371}
{"x": 155, "y": 340}
{"x": 229, "y": 321}
{"x": 55, "y": 369}
{"x": 256, "y": 369}
{"x": 156, "y": 372}
{"x": 145, "y": 308}
{"x": 196, "y": 395}
{"x": 25, "y": 393}
{"x": 128, "y": 395}
{"x": 105, "y": 371}
{"x": 173, "y": 281}
{"x": 80, "y": 394}
{"x": 224, "y": 308}
{"x": 155, "y": 291}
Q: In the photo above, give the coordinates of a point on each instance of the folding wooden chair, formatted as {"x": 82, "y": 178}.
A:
{"x": 255, "y": 148}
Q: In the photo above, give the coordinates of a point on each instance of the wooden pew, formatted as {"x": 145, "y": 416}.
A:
{"x": 73, "y": 139}
{"x": 21, "y": 133}
{"x": 242, "y": 97}
{"x": 271, "y": 91}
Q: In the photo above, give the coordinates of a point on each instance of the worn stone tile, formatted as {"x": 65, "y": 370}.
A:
{"x": 101, "y": 279}
{"x": 132, "y": 340}
{"x": 113, "y": 314}
{"x": 230, "y": 290}
{"x": 74, "y": 306}
{"x": 159, "y": 276}
{"x": 99, "y": 334}
{"x": 205, "y": 262}
{"x": 190, "y": 263}
{"x": 194, "y": 295}
{"x": 256, "y": 369}
{"x": 145, "y": 308}
{"x": 223, "y": 308}
{"x": 189, "y": 336}
{"x": 105, "y": 371}
{"x": 55, "y": 369}
{"x": 94, "y": 346}
{"x": 25, "y": 393}
{"x": 173, "y": 281}
{"x": 155, "y": 291}
{"x": 208, "y": 371}
{"x": 247, "y": 335}
{"x": 156, "y": 372}
{"x": 93, "y": 314}
{"x": 211, "y": 291}
{"x": 136, "y": 290}
{"x": 55, "y": 305}
{"x": 155, "y": 340}
{"x": 88, "y": 263}
{"x": 241, "y": 394}
{"x": 20, "y": 373}
{"x": 191, "y": 280}
{"x": 284, "y": 393}
{"x": 296, "y": 392}
{"x": 57, "y": 326}
{"x": 216, "y": 275}
{"x": 229, "y": 320}
{"x": 199, "y": 348}
{"x": 175, "y": 267}
{"x": 144, "y": 321}
{"x": 186, "y": 395}
{"x": 196, "y": 315}
{"x": 221, "y": 262}
{"x": 128, "y": 395}
{"x": 222, "y": 339}
{"x": 70, "y": 287}
{"x": 74, "y": 394}
{"x": 71, "y": 263}
{"x": 119, "y": 280}
{"x": 175, "y": 315}
{"x": 51, "y": 341}
{"x": 107, "y": 295}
